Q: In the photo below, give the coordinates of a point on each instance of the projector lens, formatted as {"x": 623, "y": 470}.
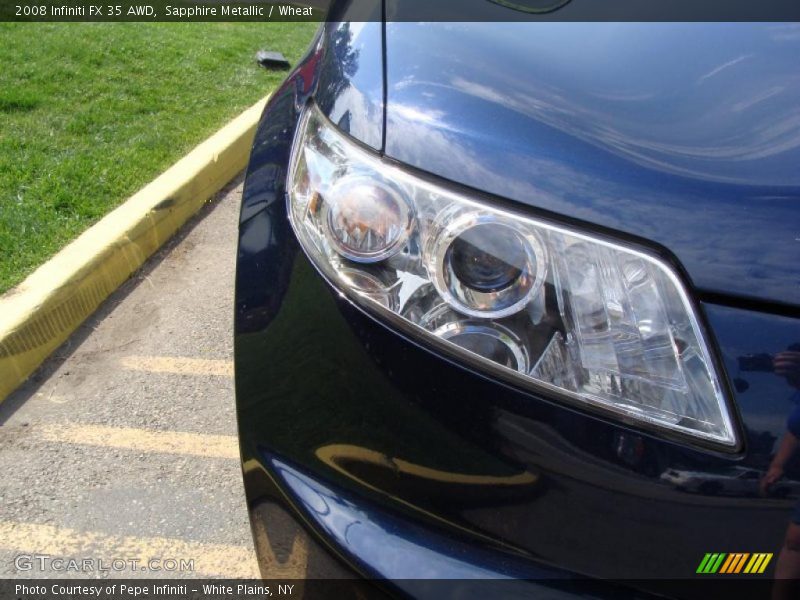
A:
{"x": 487, "y": 258}
{"x": 484, "y": 266}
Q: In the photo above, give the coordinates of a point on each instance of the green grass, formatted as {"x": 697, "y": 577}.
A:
{"x": 90, "y": 112}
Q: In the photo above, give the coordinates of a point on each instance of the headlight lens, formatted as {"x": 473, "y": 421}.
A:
{"x": 600, "y": 323}
{"x": 483, "y": 265}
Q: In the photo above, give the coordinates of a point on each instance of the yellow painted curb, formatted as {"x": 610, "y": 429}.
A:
{"x": 39, "y": 315}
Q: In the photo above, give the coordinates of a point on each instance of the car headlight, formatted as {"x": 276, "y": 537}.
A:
{"x": 585, "y": 318}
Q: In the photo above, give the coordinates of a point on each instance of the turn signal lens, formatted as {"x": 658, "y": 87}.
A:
{"x": 585, "y": 319}
{"x": 365, "y": 220}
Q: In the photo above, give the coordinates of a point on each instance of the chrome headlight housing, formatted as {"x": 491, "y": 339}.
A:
{"x": 586, "y": 319}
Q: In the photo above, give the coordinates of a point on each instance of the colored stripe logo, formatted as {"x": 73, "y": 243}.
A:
{"x": 734, "y": 563}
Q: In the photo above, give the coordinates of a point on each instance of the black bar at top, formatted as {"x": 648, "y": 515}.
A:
{"x": 413, "y": 10}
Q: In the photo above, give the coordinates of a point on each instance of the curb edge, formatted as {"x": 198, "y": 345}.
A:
{"x": 38, "y": 315}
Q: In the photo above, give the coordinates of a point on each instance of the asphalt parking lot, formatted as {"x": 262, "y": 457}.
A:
{"x": 123, "y": 446}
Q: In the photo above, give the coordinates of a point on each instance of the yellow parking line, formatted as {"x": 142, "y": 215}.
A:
{"x": 208, "y": 559}
{"x": 178, "y": 365}
{"x": 142, "y": 440}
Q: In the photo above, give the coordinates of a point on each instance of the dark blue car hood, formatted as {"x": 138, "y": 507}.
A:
{"x": 685, "y": 135}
